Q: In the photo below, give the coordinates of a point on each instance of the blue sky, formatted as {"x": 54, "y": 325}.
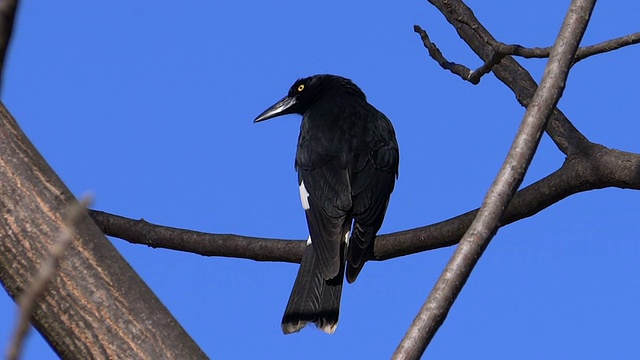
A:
{"x": 150, "y": 105}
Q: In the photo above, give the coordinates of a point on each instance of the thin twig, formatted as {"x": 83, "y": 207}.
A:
{"x": 477, "y": 238}
{"x": 581, "y": 54}
{"x": 607, "y": 46}
{"x": 39, "y": 283}
{"x": 473, "y": 76}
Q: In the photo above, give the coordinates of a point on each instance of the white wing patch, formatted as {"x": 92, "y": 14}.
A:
{"x": 304, "y": 196}
{"x": 309, "y": 240}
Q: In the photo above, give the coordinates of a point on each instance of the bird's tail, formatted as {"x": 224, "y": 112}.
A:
{"x": 313, "y": 299}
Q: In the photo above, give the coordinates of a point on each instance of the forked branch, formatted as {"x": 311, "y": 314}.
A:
{"x": 501, "y": 50}
{"x": 484, "y": 226}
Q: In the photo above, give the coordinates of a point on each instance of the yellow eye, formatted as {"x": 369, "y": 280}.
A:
{"x": 300, "y": 87}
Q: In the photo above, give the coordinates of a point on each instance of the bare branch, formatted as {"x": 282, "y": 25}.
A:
{"x": 7, "y": 16}
{"x": 566, "y": 137}
{"x": 501, "y": 50}
{"x": 596, "y": 168}
{"x": 581, "y": 54}
{"x": 464, "y": 72}
{"x": 607, "y": 46}
{"x": 226, "y": 245}
{"x": 537, "y": 52}
{"x": 477, "y": 238}
{"x": 39, "y": 283}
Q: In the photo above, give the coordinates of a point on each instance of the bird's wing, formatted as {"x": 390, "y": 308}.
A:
{"x": 325, "y": 184}
{"x": 372, "y": 181}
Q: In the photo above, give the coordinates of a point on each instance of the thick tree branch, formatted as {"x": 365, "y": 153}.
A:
{"x": 596, "y": 168}
{"x": 484, "y": 226}
{"x": 96, "y": 306}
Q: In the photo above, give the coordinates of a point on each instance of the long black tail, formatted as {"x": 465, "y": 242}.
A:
{"x": 313, "y": 299}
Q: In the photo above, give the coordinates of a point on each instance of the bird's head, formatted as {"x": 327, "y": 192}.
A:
{"x": 304, "y": 93}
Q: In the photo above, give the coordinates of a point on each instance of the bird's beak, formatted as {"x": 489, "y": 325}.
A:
{"x": 282, "y": 107}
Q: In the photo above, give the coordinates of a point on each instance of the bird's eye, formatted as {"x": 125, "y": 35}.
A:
{"x": 300, "y": 87}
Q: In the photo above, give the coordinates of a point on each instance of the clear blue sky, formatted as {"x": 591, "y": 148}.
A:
{"x": 150, "y": 107}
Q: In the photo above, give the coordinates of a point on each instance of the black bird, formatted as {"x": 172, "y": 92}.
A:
{"x": 347, "y": 163}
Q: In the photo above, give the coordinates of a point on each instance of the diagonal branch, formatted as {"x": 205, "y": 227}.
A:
{"x": 477, "y": 238}
{"x": 96, "y": 307}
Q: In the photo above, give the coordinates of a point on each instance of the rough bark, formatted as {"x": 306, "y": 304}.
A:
{"x": 96, "y": 306}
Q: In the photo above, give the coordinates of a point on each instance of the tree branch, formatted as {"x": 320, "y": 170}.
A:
{"x": 566, "y": 137}
{"x": 464, "y": 72}
{"x": 96, "y": 306}
{"x": 596, "y": 168}
{"x": 501, "y": 50}
{"x": 483, "y": 228}
{"x": 581, "y": 54}
{"x": 606, "y": 46}
{"x": 537, "y": 52}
